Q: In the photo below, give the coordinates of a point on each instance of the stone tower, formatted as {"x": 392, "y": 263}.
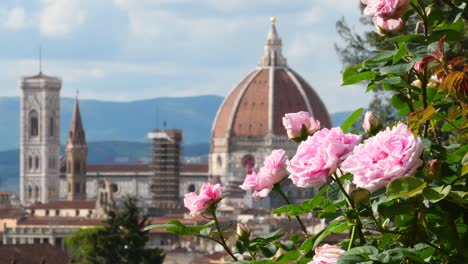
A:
{"x": 166, "y": 166}
{"x": 77, "y": 152}
{"x": 39, "y": 138}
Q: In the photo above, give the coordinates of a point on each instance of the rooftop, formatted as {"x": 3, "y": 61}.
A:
{"x": 32, "y": 254}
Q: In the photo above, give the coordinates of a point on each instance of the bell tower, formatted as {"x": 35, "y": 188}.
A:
{"x": 77, "y": 152}
{"x": 39, "y": 138}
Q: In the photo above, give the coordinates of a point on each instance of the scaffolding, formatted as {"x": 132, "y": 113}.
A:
{"x": 166, "y": 167}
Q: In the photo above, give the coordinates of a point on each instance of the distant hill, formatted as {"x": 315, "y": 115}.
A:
{"x": 123, "y": 121}
{"x": 116, "y": 131}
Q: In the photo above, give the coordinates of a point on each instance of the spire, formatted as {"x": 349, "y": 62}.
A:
{"x": 272, "y": 55}
{"x": 76, "y": 135}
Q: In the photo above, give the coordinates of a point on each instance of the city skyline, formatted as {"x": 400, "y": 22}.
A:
{"x": 126, "y": 50}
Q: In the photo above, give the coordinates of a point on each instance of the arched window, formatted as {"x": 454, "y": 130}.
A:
{"x": 36, "y": 192}
{"x": 36, "y": 162}
{"x": 30, "y": 163}
{"x": 219, "y": 161}
{"x": 68, "y": 167}
{"x": 33, "y": 123}
{"x": 29, "y": 192}
{"x": 51, "y": 127}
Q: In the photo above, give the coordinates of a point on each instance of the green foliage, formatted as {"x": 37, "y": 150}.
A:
{"x": 120, "y": 240}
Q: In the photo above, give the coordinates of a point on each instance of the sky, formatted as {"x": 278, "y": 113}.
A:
{"x": 125, "y": 50}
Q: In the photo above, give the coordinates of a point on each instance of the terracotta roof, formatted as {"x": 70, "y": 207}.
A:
{"x": 32, "y": 254}
{"x": 5, "y": 193}
{"x": 60, "y": 221}
{"x": 118, "y": 168}
{"x": 65, "y": 205}
{"x": 201, "y": 168}
{"x": 11, "y": 213}
{"x": 258, "y": 103}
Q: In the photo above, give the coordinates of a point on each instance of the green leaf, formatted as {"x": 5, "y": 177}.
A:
{"x": 396, "y": 68}
{"x": 348, "y": 123}
{"x": 352, "y": 76}
{"x": 318, "y": 198}
{"x": 393, "y": 208}
{"x": 288, "y": 257}
{"x": 397, "y": 255}
{"x": 405, "y": 187}
{"x": 380, "y": 57}
{"x": 363, "y": 250}
{"x": 289, "y": 208}
{"x": 268, "y": 237}
{"x": 269, "y": 250}
{"x": 436, "y": 194}
{"x": 351, "y": 259}
{"x": 402, "y": 51}
{"x": 406, "y": 38}
{"x": 458, "y": 26}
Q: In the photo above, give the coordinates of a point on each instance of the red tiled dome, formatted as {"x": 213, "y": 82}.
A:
{"x": 255, "y": 107}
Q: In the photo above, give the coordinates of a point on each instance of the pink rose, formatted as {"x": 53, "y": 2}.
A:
{"x": 370, "y": 123}
{"x": 387, "y": 26}
{"x": 327, "y": 254}
{"x": 293, "y": 123}
{"x": 390, "y": 154}
{"x": 197, "y": 204}
{"x": 319, "y": 156}
{"x": 272, "y": 172}
{"x": 385, "y": 9}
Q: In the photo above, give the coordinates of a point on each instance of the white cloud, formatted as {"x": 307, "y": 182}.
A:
{"x": 16, "y": 18}
{"x": 60, "y": 17}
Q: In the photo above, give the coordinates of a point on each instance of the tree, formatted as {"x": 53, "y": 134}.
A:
{"x": 121, "y": 240}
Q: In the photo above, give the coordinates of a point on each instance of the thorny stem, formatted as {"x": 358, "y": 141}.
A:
{"x": 222, "y": 242}
{"x": 304, "y": 230}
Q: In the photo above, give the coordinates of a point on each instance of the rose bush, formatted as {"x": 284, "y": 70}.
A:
{"x": 399, "y": 194}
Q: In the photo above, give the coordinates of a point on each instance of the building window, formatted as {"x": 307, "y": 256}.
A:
{"x": 30, "y": 163}
{"x": 77, "y": 213}
{"x": 68, "y": 167}
{"x": 47, "y": 212}
{"x": 57, "y": 212}
{"x": 36, "y": 162}
{"x": 114, "y": 187}
{"x": 33, "y": 123}
{"x": 191, "y": 188}
{"x": 69, "y": 187}
{"x": 77, "y": 188}
{"x": 51, "y": 127}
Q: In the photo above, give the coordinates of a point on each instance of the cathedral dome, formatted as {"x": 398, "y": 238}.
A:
{"x": 256, "y": 105}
